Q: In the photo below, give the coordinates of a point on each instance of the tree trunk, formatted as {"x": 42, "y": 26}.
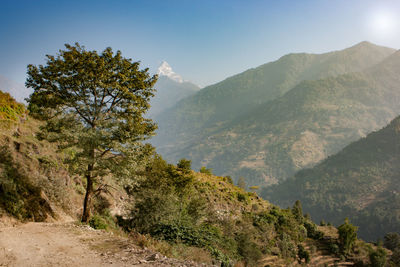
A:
{"x": 88, "y": 195}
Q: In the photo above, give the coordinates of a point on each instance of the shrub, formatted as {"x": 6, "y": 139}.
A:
{"x": 303, "y": 254}
{"x": 347, "y": 236}
{"x": 378, "y": 257}
{"x": 392, "y": 241}
{"x": 98, "y": 222}
{"x": 204, "y": 170}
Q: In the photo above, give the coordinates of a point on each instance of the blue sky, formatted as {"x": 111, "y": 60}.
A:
{"x": 205, "y": 41}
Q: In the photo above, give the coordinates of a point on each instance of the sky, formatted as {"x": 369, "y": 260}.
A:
{"x": 205, "y": 41}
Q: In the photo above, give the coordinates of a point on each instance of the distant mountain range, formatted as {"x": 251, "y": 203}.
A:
{"x": 361, "y": 182}
{"x": 171, "y": 88}
{"x": 267, "y": 123}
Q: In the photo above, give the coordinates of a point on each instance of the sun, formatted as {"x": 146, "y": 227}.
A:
{"x": 383, "y": 24}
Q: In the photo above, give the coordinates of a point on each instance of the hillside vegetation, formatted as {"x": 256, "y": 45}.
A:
{"x": 170, "y": 208}
{"x": 271, "y": 141}
{"x": 10, "y": 110}
{"x": 360, "y": 182}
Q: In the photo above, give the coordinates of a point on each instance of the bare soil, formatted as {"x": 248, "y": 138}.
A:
{"x": 67, "y": 244}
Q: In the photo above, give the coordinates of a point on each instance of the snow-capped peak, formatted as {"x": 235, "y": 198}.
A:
{"x": 166, "y": 70}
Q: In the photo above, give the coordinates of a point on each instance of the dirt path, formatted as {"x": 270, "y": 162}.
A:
{"x": 47, "y": 244}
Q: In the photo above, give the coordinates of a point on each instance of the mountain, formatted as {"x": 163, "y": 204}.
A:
{"x": 269, "y": 142}
{"x": 171, "y": 88}
{"x": 221, "y": 102}
{"x": 18, "y": 91}
{"x": 361, "y": 182}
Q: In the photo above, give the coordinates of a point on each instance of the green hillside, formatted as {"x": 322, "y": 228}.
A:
{"x": 313, "y": 120}
{"x": 214, "y": 105}
{"x": 169, "y": 208}
{"x": 360, "y": 182}
{"x": 168, "y": 93}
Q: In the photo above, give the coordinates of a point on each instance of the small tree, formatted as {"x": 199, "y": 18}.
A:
{"x": 206, "y": 170}
{"x": 297, "y": 211}
{"x": 241, "y": 183}
{"x": 392, "y": 241}
{"x": 185, "y": 165}
{"x": 347, "y": 236}
{"x": 378, "y": 257}
{"x": 93, "y": 104}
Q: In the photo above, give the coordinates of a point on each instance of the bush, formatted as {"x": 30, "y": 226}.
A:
{"x": 98, "y": 222}
{"x": 248, "y": 250}
{"x": 347, "y": 236}
{"x": 303, "y": 254}
{"x": 205, "y": 170}
{"x": 392, "y": 241}
{"x": 378, "y": 257}
{"x": 184, "y": 165}
{"x": 241, "y": 197}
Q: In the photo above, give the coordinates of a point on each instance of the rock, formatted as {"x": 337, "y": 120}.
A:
{"x": 153, "y": 257}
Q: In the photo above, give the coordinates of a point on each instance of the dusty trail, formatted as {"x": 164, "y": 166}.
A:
{"x": 49, "y": 244}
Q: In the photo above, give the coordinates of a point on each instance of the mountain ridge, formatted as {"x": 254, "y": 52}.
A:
{"x": 359, "y": 182}
{"x": 263, "y": 144}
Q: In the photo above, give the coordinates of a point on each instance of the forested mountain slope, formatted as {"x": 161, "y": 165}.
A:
{"x": 313, "y": 120}
{"x": 361, "y": 182}
{"x": 221, "y": 102}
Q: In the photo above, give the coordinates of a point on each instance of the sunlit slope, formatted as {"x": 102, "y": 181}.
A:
{"x": 212, "y": 106}
{"x": 361, "y": 182}
{"x": 313, "y": 120}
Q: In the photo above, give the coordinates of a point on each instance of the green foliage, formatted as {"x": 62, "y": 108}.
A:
{"x": 98, "y": 222}
{"x": 378, "y": 257}
{"x": 184, "y": 165}
{"x": 10, "y": 110}
{"x": 303, "y": 254}
{"x": 395, "y": 258}
{"x": 347, "y": 236}
{"x": 248, "y": 249}
{"x": 312, "y": 231}
{"x": 94, "y": 103}
{"x": 258, "y": 123}
{"x": 392, "y": 241}
{"x": 180, "y": 207}
{"x": 204, "y": 170}
{"x": 228, "y": 179}
{"x": 18, "y": 196}
{"x": 297, "y": 211}
{"x": 338, "y": 187}
{"x": 241, "y": 183}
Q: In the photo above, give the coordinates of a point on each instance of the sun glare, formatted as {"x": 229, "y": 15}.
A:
{"x": 383, "y": 24}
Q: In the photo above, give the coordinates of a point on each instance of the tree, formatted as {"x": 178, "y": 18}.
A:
{"x": 378, "y": 257}
{"x": 93, "y": 105}
{"x": 392, "y": 241}
{"x": 347, "y": 236}
{"x": 297, "y": 211}
{"x": 241, "y": 183}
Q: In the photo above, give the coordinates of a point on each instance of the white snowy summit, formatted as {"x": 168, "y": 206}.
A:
{"x": 166, "y": 70}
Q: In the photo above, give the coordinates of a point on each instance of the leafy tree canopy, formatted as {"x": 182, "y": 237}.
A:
{"x": 93, "y": 104}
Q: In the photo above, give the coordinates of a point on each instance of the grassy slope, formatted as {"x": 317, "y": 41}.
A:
{"x": 360, "y": 182}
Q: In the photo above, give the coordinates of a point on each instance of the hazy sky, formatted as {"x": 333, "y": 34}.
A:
{"x": 204, "y": 40}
